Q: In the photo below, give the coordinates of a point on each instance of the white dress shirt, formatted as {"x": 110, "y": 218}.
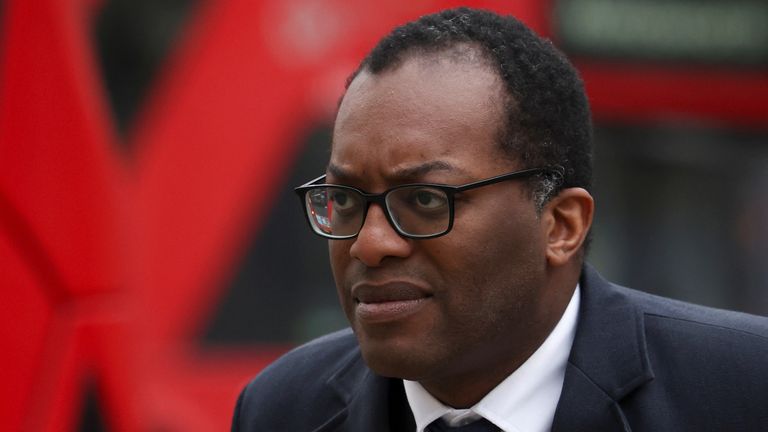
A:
{"x": 525, "y": 401}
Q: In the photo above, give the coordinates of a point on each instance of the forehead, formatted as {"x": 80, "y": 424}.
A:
{"x": 427, "y": 108}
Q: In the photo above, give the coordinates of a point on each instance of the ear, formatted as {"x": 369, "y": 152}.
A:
{"x": 566, "y": 221}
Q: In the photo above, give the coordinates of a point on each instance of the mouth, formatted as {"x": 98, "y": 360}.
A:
{"x": 391, "y": 301}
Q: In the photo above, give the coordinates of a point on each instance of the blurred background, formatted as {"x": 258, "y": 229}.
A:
{"x": 153, "y": 256}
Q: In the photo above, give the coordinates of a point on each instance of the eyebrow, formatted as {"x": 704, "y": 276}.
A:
{"x": 407, "y": 173}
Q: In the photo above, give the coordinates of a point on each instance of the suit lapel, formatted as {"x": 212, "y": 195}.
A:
{"x": 368, "y": 402}
{"x": 608, "y": 359}
{"x": 381, "y": 406}
{"x": 584, "y": 407}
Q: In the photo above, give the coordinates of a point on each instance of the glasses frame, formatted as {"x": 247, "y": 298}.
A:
{"x": 381, "y": 198}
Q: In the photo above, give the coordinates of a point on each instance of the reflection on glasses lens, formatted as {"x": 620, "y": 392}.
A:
{"x": 335, "y": 212}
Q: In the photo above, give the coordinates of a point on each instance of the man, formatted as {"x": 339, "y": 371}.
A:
{"x": 457, "y": 207}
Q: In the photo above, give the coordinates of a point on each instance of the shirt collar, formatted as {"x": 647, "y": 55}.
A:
{"x": 526, "y": 400}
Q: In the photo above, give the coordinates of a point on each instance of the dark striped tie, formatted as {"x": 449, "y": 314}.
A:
{"x": 481, "y": 425}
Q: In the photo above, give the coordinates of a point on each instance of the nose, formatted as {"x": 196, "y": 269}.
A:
{"x": 378, "y": 240}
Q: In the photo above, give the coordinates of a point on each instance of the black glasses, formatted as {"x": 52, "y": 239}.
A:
{"x": 417, "y": 211}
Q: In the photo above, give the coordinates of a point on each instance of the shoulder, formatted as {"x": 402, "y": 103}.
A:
{"x": 670, "y": 318}
{"x": 298, "y": 386}
{"x": 670, "y": 364}
{"x": 660, "y": 335}
{"x": 666, "y": 318}
{"x": 718, "y": 354}
{"x": 706, "y": 361}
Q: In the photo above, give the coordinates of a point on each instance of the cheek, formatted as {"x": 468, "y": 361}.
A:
{"x": 505, "y": 235}
{"x": 338, "y": 252}
{"x": 496, "y": 260}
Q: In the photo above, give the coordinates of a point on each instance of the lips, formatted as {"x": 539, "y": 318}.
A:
{"x": 388, "y": 301}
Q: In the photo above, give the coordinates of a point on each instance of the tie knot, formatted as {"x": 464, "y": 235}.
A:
{"x": 481, "y": 425}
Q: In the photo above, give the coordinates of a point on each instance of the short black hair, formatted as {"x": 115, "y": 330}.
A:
{"x": 548, "y": 122}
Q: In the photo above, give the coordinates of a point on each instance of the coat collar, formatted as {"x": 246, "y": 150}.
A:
{"x": 368, "y": 402}
{"x": 609, "y": 359}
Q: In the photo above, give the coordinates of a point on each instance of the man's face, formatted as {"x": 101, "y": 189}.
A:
{"x": 441, "y": 308}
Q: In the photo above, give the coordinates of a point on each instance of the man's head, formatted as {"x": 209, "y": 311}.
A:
{"x": 454, "y": 98}
{"x": 546, "y": 114}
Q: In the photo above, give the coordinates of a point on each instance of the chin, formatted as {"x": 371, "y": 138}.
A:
{"x": 394, "y": 366}
{"x": 395, "y": 360}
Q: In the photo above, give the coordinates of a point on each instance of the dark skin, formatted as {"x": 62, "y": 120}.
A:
{"x": 458, "y": 313}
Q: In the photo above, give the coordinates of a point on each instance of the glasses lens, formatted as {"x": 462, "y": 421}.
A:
{"x": 419, "y": 210}
{"x": 335, "y": 212}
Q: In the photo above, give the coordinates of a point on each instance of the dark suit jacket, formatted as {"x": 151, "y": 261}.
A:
{"x": 638, "y": 363}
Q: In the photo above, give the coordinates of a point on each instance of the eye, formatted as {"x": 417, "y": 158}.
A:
{"x": 428, "y": 199}
{"x": 342, "y": 199}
